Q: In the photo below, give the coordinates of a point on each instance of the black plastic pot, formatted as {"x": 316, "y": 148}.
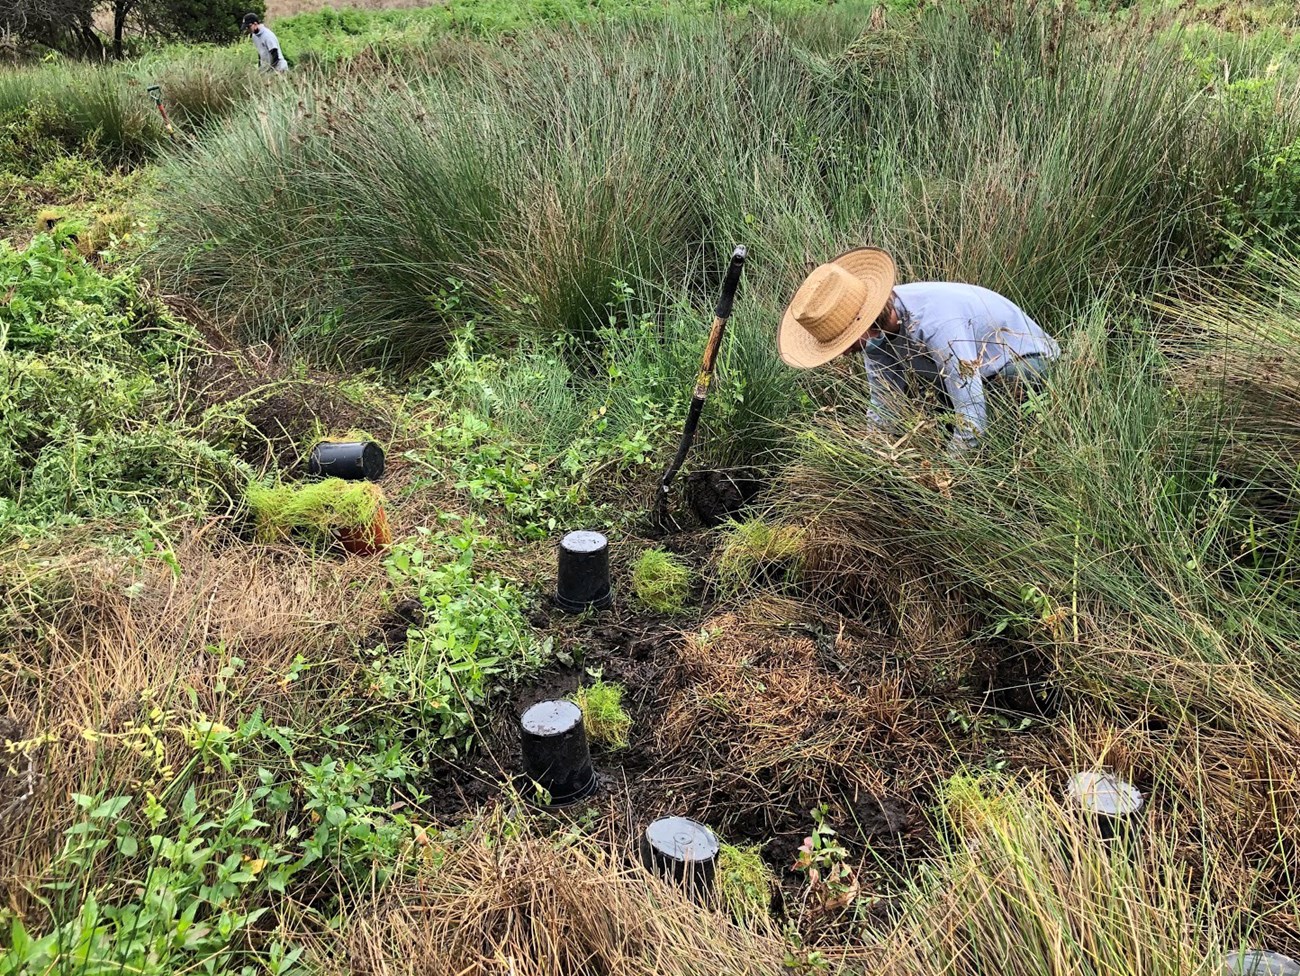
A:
{"x": 349, "y": 460}
{"x": 1111, "y": 802}
{"x": 681, "y": 850}
{"x": 582, "y": 579}
{"x": 1257, "y": 962}
{"x": 555, "y": 751}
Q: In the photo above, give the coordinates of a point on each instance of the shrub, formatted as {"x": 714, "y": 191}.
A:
{"x": 214, "y": 21}
{"x": 661, "y": 582}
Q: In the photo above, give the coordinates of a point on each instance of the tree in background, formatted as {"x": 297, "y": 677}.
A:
{"x": 69, "y": 26}
{"x": 64, "y": 25}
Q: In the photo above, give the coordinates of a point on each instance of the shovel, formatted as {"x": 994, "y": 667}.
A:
{"x": 156, "y": 92}
{"x": 660, "y": 519}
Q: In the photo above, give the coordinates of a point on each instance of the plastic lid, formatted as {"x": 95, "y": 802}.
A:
{"x": 584, "y": 541}
{"x": 552, "y": 718}
{"x": 682, "y": 840}
{"x": 1104, "y": 795}
{"x": 1256, "y": 962}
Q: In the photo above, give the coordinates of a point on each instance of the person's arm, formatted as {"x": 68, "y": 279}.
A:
{"x": 954, "y": 347}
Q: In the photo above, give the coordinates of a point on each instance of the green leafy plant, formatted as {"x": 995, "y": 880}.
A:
{"x": 832, "y": 885}
{"x": 473, "y": 637}
{"x": 606, "y": 721}
{"x": 661, "y": 581}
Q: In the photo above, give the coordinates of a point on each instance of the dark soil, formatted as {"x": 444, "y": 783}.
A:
{"x": 281, "y": 412}
{"x": 716, "y": 496}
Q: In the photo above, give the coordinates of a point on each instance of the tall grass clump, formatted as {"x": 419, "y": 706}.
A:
{"x": 1024, "y": 887}
{"x": 106, "y": 110}
{"x": 521, "y": 184}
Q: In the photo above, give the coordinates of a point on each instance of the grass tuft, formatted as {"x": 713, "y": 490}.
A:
{"x": 744, "y": 883}
{"x": 758, "y": 551}
{"x": 661, "y": 582}
{"x": 606, "y": 721}
{"x": 317, "y": 508}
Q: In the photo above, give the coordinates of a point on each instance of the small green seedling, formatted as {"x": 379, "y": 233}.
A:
{"x": 606, "y": 720}
{"x": 744, "y": 883}
{"x": 315, "y": 508}
{"x": 756, "y": 551}
{"x": 661, "y": 582}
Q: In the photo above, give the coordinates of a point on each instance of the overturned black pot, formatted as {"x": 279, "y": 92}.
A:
{"x": 582, "y": 579}
{"x": 349, "y": 460}
{"x": 1257, "y": 962}
{"x": 1111, "y": 803}
{"x": 555, "y": 752}
{"x": 681, "y": 850}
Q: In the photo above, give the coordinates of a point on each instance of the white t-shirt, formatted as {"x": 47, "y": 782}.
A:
{"x": 265, "y": 41}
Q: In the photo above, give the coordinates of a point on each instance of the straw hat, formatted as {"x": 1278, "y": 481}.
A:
{"x": 835, "y": 306}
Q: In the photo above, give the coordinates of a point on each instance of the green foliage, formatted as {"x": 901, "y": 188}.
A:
{"x": 660, "y": 581}
{"x": 212, "y": 21}
{"x": 88, "y": 426}
{"x": 756, "y": 551}
{"x": 744, "y": 883}
{"x": 316, "y": 508}
{"x": 473, "y": 637}
{"x": 606, "y": 721}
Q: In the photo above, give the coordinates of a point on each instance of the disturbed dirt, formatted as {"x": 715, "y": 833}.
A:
{"x": 275, "y": 413}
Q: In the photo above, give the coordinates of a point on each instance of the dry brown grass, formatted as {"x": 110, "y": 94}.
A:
{"x": 110, "y": 662}
{"x": 763, "y": 725}
{"x": 508, "y": 900}
{"x": 287, "y": 8}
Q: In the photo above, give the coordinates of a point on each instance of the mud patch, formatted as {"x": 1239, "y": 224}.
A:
{"x": 716, "y": 496}
{"x": 271, "y": 417}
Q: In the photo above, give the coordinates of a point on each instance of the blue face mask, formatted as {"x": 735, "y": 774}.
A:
{"x": 875, "y": 344}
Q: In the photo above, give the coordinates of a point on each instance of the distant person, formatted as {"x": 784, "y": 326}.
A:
{"x": 269, "y": 55}
{"x": 957, "y": 339}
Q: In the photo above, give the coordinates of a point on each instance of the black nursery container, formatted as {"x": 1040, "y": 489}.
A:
{"x": 1111, "y": 802}
{"x": 1257, "y": 962}
{"x": 349, "y": 460}
{"x": 582, "y": 579}
{"x": 555, "y": 751}
{"x": 681, "y": 850}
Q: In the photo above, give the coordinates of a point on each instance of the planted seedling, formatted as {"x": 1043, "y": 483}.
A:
{"x": 352, "y": 512}
{"x": 602, "y": 708}
{"x": 756, "y": 551}
{"x": 661, "y": 582}
{"x": 744, "y": 883}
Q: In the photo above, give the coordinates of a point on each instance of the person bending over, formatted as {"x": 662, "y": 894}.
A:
{"x": 269, "y": 55}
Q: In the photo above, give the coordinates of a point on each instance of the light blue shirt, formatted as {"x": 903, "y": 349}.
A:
{"x": 955, "y": 335}
{"x": 265, "y": 41}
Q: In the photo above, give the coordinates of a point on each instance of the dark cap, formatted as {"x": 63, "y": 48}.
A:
{"x": 250, "y": 20}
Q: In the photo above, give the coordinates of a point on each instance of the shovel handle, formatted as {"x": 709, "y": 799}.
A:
{"x": 702, "y": 381}
{"x": 723, "y": 312}
{"x": 731, "y": 282}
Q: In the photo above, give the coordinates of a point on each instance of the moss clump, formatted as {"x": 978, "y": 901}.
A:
{"x": 316, "y": 508}
{"x": 744, "y": 883}
{"x": 606, "y": 721}
{"x": 757, "y": 551}
{"x": 660, "y": 581}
